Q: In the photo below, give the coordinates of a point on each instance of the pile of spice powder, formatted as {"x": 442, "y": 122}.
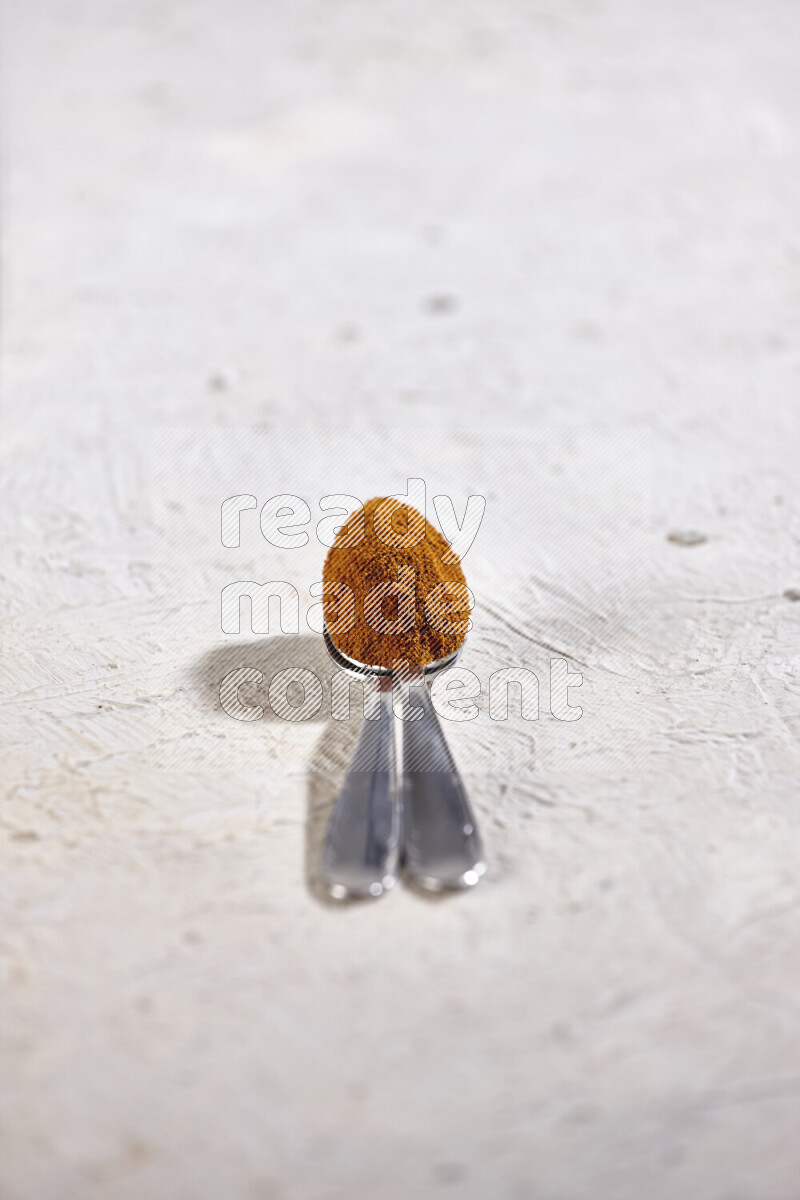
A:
{"x": 364, "y": 558}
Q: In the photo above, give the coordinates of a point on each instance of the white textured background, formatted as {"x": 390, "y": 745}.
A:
{"x": 547, "y": 252}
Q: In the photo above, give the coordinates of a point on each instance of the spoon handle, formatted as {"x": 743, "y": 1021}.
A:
{"x": 362, "y": 846}
{"x": 442, "y": 845}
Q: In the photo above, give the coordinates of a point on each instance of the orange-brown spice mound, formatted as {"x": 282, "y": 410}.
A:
{"x": 408, "y": 604}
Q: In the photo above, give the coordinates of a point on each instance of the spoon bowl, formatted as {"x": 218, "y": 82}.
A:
{"x": 361, "y": 670}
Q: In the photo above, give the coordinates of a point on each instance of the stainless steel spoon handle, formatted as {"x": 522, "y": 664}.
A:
{"x": 442, "y": 845}
{"x": 362, "y": 846}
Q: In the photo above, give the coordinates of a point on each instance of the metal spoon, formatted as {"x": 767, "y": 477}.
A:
{"x": 365, "y": 841}
{"x": 443, "y": 849}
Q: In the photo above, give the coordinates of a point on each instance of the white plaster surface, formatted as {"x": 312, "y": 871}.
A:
{"x": 546, "y": 252}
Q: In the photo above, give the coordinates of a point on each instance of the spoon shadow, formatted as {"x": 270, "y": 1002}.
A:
{"x": 270, "y": 656}
{"x": 333, "y": 750}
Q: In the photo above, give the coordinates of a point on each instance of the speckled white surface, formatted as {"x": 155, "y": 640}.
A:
{"x": 544, "y": 253}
